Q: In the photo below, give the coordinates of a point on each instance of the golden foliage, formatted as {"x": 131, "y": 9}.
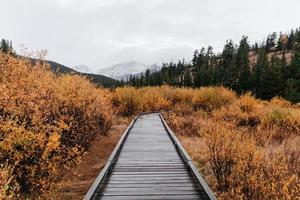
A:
{"x": 127, "y": 100}
{"x": 212, "y": 98}
{"x": 46, "y": 122}
{"x": 249, "y": 148}
{"x": 130, "y": 100}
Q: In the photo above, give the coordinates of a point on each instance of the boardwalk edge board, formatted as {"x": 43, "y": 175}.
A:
{"x": 94, "y": 189}
{"x": 188, "y": 160}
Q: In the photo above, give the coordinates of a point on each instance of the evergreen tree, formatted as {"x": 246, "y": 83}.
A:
{"x": 229, "y": 76}
{"x": 243, "y": 68}
{"x": 187, "y": 79}
{"x": 271, "y": 41}
{"x": 272, "y": 80}
{"x": 295, "y": 64}
{"x": 6, "y": 46}
{"x": 292, "y": 90}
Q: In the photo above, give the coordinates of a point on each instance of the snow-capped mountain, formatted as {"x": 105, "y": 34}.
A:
{"x": 83, "y": 68}
{"x": 125, "y": 70}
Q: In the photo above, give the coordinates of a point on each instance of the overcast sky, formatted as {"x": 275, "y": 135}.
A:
{"x": 99, "y": 33}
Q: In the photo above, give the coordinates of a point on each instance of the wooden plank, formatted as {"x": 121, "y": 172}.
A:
{"x": 145, "y": 192}
{"x": 148, "y": 164}
{"x": 149, "y": 185}
{"x": 144, "y": 197}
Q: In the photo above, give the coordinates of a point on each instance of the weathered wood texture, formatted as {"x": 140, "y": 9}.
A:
{"x": 149, "y": 163}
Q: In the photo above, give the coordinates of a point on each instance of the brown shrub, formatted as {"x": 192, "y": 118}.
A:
{"x": 278, "y": 101}
{"x": 127, "y": 100}
{"x": 212, "y": 98}
{"x": 249, "y": 148}
{"x": 282, "y": 122}
{"x": 247, "y": 103}
{"x": 245, "y": 171}
{"x": 46, "y": 122}
{"x": 153, "y": 99}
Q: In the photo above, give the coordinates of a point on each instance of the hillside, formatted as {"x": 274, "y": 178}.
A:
{"x": 95, "y": 78}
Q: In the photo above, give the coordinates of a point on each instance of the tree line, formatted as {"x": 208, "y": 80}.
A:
{"x": 6, "y": 46}
{"x": 264, "y": 69}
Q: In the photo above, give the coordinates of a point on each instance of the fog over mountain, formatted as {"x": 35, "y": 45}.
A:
{"x": 124, "y": 70}
{"x": 83, "y": 69}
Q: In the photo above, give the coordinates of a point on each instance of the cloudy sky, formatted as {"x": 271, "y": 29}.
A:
{"x": 99, "y": 33}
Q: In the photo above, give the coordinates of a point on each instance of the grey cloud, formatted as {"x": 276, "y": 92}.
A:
{"x": 99, "y": 33}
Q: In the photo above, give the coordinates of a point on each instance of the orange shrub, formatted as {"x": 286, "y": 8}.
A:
{"x": 153, "y": 99}
{"x": 247, "y": 103}
{"x": 249, "y": 148}
{"x": 178, "y": 95}
{"x": 278, "y": 101}
{"x": 211, "y": 98}
{"x": 46, "y": 122}
{"x": 127, "y": 100}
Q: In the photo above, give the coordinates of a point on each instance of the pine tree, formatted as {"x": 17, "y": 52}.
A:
{"x": 260, "y": 73}
{"x": 271, "y": 41}
{"x": 292, "y": 90}
{"x": 195, "y": 57}
{"x": 243, "y": 68}
{"x": 187, "y": 79}
{"x": 272, "y": 83}
{"x": 295, "y": 64}
{"x": 4, "y": 46}
{"x": 229, "y": 76}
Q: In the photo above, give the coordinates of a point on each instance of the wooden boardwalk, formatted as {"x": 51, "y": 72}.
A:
{"x": 149, "y": 163}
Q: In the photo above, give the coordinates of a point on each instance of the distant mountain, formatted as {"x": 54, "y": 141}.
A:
{"x": 125, "y": 70}
{"x": 83, "y": 69}
{"x": 95, "y": 78}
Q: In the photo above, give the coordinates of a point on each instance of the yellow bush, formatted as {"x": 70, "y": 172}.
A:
{"x": 247, "y": 102}
{"x": 278, "y": 101}
{"x": 153, "y": 99}
{"x": 46, "y": 122}
{"x": 239, "y": 156}
{"x": 245, "y": 171}
{"x": 127, "y": 100}
{"x": 179, "y": 95}
{"x": 211, "y": 98}
{"x": 277, "y": 116}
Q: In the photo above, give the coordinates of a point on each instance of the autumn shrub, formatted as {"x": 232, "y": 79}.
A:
{"x": 277, "y": 116}
{"x": 46, "y": 123}
{"x": 247, "y": 103}
{"x": 237, "y": 168}
{"x": 127, "y": 100}
{"x": 281, "y": 123}
{"x": 278, "y": 101}
{"x": 249, "y": 148}
{"x": 222, "y": 154}
{"x": 179, "y": 95}
{"x": 153, "y": 99}
{"x": 211, "y": 98}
